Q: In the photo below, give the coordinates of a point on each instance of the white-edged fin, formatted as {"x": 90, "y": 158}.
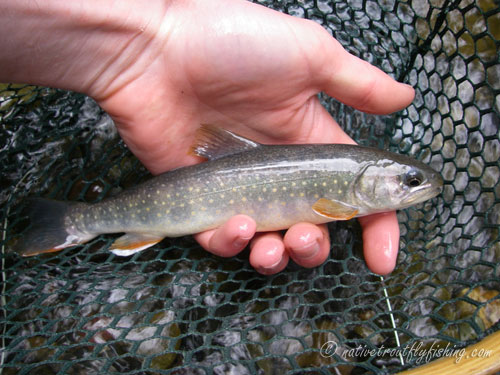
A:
{"x": 212, "y": 142}
{"x": 131, "y": 243}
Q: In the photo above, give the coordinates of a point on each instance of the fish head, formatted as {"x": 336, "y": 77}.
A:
{"x": 395, "y": 183}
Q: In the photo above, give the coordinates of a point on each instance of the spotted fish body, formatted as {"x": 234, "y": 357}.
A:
{"x": 277, "y": 185}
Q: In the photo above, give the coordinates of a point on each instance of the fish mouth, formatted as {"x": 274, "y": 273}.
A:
{"x": 423, "y": 193}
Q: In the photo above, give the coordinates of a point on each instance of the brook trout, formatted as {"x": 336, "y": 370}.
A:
{"x": 277, "y": 185}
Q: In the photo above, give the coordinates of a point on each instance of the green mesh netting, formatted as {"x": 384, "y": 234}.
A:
{"x": 176, "y": 309}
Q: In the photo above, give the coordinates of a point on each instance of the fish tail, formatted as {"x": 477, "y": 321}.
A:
{"x": 47, "y": 232}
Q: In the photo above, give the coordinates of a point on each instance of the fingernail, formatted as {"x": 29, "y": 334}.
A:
{"x": 274, "y": 268}
{"x": 307, "y": 251}
{"x": 240, "y": 242}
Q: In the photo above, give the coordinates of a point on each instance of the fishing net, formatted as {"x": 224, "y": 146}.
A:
{"x": 175, "y": 309}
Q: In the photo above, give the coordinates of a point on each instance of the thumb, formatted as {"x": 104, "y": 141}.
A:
{"x": 357, "y": 83}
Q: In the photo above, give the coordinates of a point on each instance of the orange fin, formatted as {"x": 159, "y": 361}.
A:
{"x": 132, "y": 243}
{"x": 46, "y": 251}
{"x": 212, "y": 142}
{"x": 334, "y": 210}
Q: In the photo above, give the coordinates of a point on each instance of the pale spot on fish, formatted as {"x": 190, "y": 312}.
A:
{"x": 339, "y": 191}
{"x": 284, "y": 188}
{"x": 147, "y": 208}
{"x": 324, "y": 184}
{"x": 190, "y": 188}
{"x": 244, "y": 199}
{"x": 231, "y": 201}
{"x": 345, "y": 183}
{"x": 275, "y": 190}
{"x": 301, "y": 194}
{"x": 334, "y": 181}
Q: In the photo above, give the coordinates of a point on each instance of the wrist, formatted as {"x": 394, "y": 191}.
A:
{"x": 85, "y": 46}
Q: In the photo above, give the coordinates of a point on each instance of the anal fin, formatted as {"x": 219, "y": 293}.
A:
{"x": 334, "y": 210}
{"x": 131, "y": 243}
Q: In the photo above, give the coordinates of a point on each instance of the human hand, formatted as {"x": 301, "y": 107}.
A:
{"x": 256, "y": 72}
{"x": 163, "y": 68}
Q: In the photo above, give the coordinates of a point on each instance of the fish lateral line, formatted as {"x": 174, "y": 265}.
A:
{"x": 186, "y": 198}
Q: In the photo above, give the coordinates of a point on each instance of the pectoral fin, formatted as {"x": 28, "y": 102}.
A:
{"x": 334, "y": 210}
{"x": 132, "y": 243}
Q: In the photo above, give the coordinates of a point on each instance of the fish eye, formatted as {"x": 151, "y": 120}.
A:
{"x": 413, "y": 179}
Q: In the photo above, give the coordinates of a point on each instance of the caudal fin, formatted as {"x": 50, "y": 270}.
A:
{"x": 47, "y": 232}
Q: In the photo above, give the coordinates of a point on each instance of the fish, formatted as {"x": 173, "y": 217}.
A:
{"x": 276, "y": 185}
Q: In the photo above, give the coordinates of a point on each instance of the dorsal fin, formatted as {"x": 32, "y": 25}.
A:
{"x": 212, "y": 142}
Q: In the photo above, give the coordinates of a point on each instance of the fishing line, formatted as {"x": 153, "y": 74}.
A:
{"x": 393, "y": 322}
